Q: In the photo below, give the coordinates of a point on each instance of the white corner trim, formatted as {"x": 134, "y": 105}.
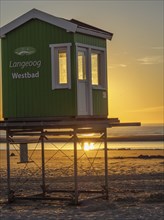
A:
{"x": 53, "y": 68}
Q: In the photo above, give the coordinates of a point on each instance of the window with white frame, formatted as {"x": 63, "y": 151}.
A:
{"x": 81, "y": 65}
{"x": 92, "y": 65}
{"x": 61, "y": 67}
{"x": 98, "y": 75}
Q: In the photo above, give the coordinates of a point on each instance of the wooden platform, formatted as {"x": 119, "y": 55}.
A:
{"x": 64, "y": 123}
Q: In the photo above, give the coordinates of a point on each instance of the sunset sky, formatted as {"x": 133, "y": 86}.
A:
{"x": 135, "y": 54}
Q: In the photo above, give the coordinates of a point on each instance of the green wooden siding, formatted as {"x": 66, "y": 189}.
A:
{"x": 86, "y": 39}
{"x": 100, "y": 102}
{"x": 34, "y": 97}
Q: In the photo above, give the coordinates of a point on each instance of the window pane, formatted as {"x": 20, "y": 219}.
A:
{"x": 62, "y": 67}
{"x": 81, "y": 65}
{"x": 95, "y": 68}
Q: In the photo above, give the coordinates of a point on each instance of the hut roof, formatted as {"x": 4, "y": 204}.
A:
{"x": 69, "y": 25}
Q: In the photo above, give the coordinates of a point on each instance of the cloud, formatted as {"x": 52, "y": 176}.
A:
{"x": 158, "y": 48}
{"x": 148, "y": 60}
{"x": 122, "y": 65}
{"x": 150, "y": 109}
{"x": 112, "y": 66}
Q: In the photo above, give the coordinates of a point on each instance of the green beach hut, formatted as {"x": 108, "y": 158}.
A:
{"x": 53, "y": 67}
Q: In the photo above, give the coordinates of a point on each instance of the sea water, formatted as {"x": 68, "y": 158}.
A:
{"x": 145, "y": 129}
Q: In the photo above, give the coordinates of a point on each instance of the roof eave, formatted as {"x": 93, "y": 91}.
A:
{"x": 60, "y": 22}
{"x": 15, "y": 23}
{"x": 104, "y": 35}
{"x": 36, "y": 14}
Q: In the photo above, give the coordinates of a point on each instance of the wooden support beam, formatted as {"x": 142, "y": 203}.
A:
{"x": 75, "y": 169}
{"x": 106, "y": 164}
{"x": 43, "y": 164}
{"x": 10, "y": 194}
{"x": 76, "y": 130}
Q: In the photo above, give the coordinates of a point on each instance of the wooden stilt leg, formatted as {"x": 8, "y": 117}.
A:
{"x": 106, "y": 163}
{"x": 75, "y": 168}
{"x": 10, "y": 193}
{"x": 43, "y": 165}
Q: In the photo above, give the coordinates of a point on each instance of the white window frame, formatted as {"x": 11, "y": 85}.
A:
{"x": 55, "y": 65}
{"x": 84, "y": 50}
{"x": 103, "y": 64}
{"x": 102, "y": 69}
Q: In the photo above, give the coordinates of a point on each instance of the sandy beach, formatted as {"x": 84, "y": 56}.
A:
{"x": 136, "y": 184}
